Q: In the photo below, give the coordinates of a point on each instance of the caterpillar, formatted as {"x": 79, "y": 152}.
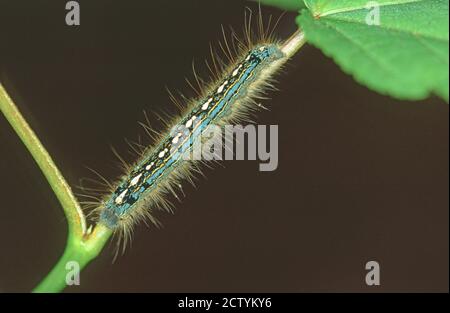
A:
{"x": 229, "y": 98}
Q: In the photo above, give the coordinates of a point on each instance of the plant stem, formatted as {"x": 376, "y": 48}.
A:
{"x": 79, "y": 251}
{"x": 82, "y": 246}
{"x": 293, "y": 43}
{"x": 74, "y": 214}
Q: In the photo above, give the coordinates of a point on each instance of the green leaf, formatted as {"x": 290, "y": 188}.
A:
{"x": 327, "y": 7}
{"x": 289, "y": 5}
{"x": 405, "y": 56}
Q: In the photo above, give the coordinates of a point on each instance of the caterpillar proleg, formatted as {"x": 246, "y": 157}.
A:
{"x": 229, "y": 98}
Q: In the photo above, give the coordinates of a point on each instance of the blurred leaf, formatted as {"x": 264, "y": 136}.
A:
{"x": 289, "y": 5}
{"x": 405, "y": 56}
{"x": 326, "y": 7}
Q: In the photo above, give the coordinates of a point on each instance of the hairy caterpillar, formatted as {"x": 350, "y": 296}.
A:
{"x": 228, "y": 99}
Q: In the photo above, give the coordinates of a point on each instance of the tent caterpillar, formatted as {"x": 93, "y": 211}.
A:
{"x": 229, "y": 98}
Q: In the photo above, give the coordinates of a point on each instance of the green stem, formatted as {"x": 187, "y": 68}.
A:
{"x": 79, "y": 251}
{"x": 82, "y": 246}
{"x": 72, "y": 210}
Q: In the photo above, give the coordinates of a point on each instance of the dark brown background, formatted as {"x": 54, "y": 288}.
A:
{"x": 361, "y": 176}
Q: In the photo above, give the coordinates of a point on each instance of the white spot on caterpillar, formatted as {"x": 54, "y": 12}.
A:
{"x": 262, "y": 48}
{"x": 119, "y": 199}
{"x": 135, "y": 180}
{"x": 206, "y": 104}
{"x": 175, "y": 139}
{"x": 220, "y": 89}
{"x": 191, "y": 120}
{"x": 236, "y": 71}
{"x": 162, "y": 153}
{"x": 148, "y": 167}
